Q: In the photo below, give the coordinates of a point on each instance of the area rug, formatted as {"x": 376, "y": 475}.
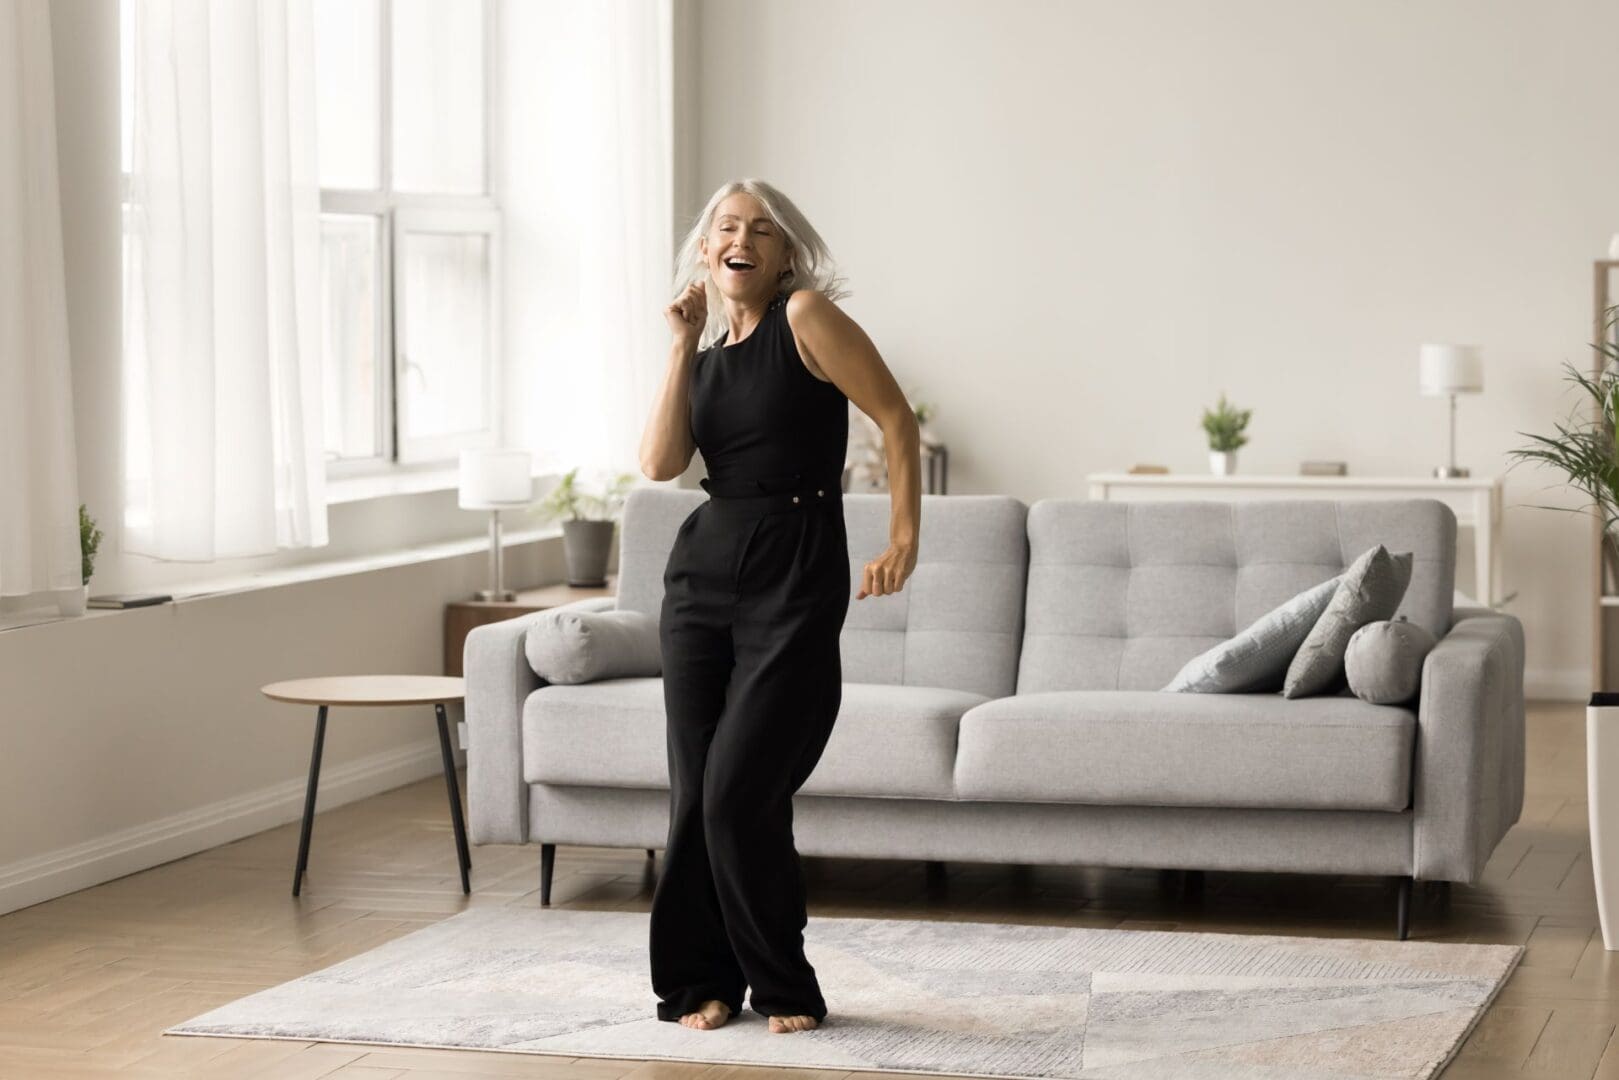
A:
{"x": 955, "y": 998}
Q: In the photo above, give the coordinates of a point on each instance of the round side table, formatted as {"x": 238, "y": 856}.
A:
{"x": 372, "y": 690}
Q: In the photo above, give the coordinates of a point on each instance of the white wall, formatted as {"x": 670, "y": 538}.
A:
{"x": 1072, "y": 224}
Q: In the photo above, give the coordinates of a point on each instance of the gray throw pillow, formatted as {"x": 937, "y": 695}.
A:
{"x": 1384, "y": 661}
{"x": 1257, "y": 658}
{"x": 566, "y": 645}
{"x": 1371, "y": 589}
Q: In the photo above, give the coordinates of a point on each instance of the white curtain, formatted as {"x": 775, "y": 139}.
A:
{"x": 224, "y": 431}
{"x": 39, "y": 490}
{"x": 588, "y": 205}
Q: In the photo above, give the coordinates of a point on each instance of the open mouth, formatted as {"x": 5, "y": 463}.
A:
{"x": 738, "y": 266}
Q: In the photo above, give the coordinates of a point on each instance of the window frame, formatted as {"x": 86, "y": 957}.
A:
{"x": 388, "y": 206}
{"x": 448, "y": 221}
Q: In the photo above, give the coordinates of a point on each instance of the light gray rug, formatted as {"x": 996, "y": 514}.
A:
{"x": 959, "y": 998}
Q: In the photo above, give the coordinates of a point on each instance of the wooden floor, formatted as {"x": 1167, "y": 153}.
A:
{"x": 89, "y": 981}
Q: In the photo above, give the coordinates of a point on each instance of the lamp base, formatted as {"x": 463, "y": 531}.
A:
{"x": 1451, "y": 472}
{"x": 490, "y": 595}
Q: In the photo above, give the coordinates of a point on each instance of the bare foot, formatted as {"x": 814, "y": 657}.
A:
{"x": 782, "y": 1024}
{"x": 710, "y": 1014}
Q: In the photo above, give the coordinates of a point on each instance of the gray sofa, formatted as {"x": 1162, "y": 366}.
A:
{"x": 1005, "y": 705}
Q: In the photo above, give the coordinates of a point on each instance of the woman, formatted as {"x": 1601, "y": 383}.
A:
{"x": 755, "y": 593}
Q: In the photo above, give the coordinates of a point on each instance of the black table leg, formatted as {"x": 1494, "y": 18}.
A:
{"x": 309, "y": 801}
{"x": 455, "y": 799}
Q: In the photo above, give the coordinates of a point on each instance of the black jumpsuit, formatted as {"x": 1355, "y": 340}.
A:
{"x": 755, "y": 594}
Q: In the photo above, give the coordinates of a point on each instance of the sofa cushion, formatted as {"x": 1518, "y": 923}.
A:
{"x": 958, "y": 623}
{"x": 1371, "y": 590}
{"x": 1145, "y": 748}
{"x": 1122, "y": 594}
{"x": 1384, "y": 661}
{"x": 1256, "y": 659}
{"x": 567, "y": 645}
{"x": 895, "y": 741}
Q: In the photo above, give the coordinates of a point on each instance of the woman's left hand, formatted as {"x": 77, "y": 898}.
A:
{"x": 888, "y": 571}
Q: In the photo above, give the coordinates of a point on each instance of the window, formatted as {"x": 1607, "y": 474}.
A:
{"x": 410, "y": 231}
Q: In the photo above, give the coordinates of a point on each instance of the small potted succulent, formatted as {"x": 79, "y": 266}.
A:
{"x": 1224, "y": 425}
{"x": 588, "y": 521}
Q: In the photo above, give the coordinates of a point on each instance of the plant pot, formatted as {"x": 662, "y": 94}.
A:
{"x": 1602, "y": 802}
{"x": 585, "y": 548}
{"x": 1222, "y": 462}
{"x": 73, "y": 601}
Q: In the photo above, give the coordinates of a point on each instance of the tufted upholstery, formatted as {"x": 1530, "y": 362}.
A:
{"x": 956, "y": 625}
{"x": 1121, "y": 594}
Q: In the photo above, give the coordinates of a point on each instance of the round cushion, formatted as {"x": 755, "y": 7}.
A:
{"x": 1384, "y": 661}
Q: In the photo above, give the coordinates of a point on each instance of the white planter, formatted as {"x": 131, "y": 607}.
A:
{"x": 1222, "y": 462}
{"x": 72, "y": 601}
{"x": 1602, "y": 797}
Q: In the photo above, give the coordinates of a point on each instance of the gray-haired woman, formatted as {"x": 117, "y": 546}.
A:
{"x": 755, "y": 592}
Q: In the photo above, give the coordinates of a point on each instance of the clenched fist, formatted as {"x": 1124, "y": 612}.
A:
{"x": 688, "y": 315}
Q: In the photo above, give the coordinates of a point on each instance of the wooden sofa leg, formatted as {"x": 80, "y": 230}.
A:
{"x": 1402, "y": 917}
{"x": 548, "y": 863}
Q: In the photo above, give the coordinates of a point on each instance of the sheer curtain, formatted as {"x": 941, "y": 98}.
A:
{"x": 39, "y": 489}
{"x": 223, "y": 434}
{"x": 588, "y": 205}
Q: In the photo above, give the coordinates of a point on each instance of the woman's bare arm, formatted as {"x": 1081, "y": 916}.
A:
{"x": 843, "y": 352}
{"x": 666, "y": 444}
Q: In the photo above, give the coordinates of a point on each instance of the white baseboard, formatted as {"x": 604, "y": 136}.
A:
{"x": 57, "y": 873}
{"x": 1557, "y": 684}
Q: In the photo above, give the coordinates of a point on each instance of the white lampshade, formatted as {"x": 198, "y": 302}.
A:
{"x": 1450, "y": 369}
{"x": 495, "y": 479}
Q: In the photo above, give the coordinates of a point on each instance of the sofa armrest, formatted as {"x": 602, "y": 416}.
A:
{"x": 499, "y": 680}
{"x": 1467, "y": 780}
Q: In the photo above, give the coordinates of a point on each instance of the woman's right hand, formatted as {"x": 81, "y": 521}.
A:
{"x": 688, "y": 315}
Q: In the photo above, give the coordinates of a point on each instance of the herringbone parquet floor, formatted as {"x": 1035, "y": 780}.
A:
{"x": 89, "y": 981}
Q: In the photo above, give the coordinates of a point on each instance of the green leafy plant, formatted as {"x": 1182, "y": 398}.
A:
{"x": 1585, "y": 449}
{"x": 922, "y": 410}
{"x": 1224, "y": 424}
{"x": 569, "y": 500}
{"x": 89, "y": 541}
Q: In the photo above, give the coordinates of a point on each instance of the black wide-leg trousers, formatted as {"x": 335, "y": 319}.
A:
{"x": 755, "y": 595}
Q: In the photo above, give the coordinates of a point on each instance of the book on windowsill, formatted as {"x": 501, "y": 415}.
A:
{"x": 128, "y": 600}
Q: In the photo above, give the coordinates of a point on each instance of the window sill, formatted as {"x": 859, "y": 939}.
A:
{"x": 290, "y": 575}
{"x": 395, "y": 482}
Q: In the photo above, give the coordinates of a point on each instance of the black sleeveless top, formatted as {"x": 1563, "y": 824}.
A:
{"x": 758, "y": 414}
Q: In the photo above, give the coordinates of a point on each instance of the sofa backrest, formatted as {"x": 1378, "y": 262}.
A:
{"x": 1122, "y": 594}
{"x": 956, "y": 624}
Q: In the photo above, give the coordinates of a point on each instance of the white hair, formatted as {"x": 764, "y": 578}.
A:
{"x": 812, "y": 264}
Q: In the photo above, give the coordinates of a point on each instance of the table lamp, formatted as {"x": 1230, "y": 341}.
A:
{"x": 495, "y": 480}
{"x": 1450, "y": 370}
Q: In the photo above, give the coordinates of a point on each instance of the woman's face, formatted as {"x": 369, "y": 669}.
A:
{"x": 743, "y": 232}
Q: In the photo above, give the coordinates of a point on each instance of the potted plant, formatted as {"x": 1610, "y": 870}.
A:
{"x": 89, "y": 541}
{"x": 1224, "y": 425}
{"x": 1586, "y": 452}
{"x": 587, "y": 524}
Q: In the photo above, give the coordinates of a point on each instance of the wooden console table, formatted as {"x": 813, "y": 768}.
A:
{"x": 1476, "y": 501}
{"x": 460, "y": 616}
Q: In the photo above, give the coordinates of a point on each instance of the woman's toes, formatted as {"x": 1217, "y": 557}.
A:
{"x": 783, "y": 1024}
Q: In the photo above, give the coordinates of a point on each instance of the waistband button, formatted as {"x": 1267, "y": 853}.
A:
{"x": 795, "y": 498}
{"x": 820, "y": 491}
